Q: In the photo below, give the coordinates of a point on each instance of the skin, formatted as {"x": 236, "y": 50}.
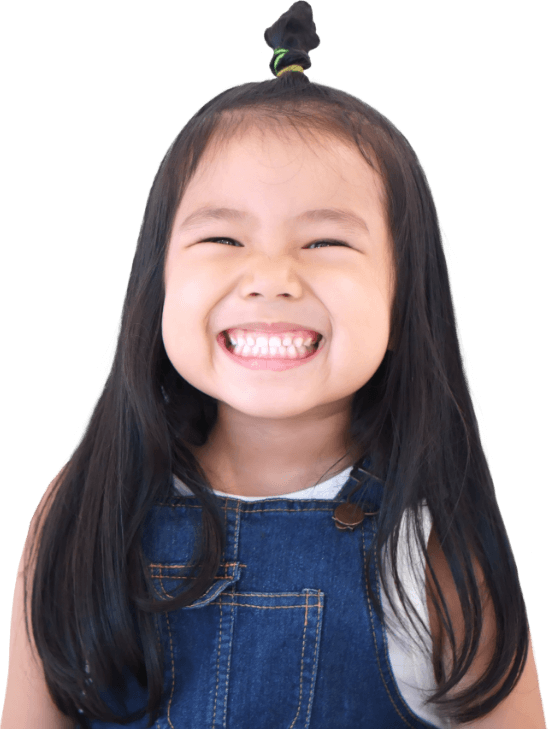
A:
{"x": 278, "y": 432}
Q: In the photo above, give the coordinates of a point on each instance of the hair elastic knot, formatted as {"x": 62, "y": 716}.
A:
{"x": 279, "y": 53}
{"x": 293, "y": 67}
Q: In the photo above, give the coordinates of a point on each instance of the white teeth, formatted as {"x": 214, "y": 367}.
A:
{"x": 240, "y": 341}
{"x": 265, "y": 345}
{"x": 285, "y": 352}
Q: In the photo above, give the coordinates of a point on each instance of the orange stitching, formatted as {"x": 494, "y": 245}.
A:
{"x": 229, "y": 663}
{"x": 177, "y": 578}
{"x": 301, "y": 662}
{"x": 260, "y": 607}
{"x": 316, "y": 652}
{"x": 187, "y": 565}
{"x": 269, "y": 594}
{"x": 163, "y": 576}
{"x": 219, "y": 601}
{"x": 277, "y": 594}
{"x": 157, "y": 631}
{"x": 217, "y": 668}
{"x": 173, "y": 672}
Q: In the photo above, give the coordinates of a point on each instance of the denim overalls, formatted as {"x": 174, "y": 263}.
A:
{"x": 286, "y": 638}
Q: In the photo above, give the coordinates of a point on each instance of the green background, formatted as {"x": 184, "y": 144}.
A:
{"x": 95, "y": 94}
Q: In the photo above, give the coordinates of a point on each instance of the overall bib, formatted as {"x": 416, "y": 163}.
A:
{"x": 286, "y": 638}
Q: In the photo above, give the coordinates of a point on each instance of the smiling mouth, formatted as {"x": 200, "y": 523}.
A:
{"x": 291, "y": 352}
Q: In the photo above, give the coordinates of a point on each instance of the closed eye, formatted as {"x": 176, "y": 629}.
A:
{"x": 316, "y": 243}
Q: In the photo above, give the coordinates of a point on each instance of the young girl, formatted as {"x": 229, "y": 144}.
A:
{"x": 280, "y": 514}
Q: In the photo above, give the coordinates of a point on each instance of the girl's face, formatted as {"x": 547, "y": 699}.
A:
{"x": 291, "y": 195}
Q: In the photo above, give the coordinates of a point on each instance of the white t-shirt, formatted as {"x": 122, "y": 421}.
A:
{"x": 412, "y": 668}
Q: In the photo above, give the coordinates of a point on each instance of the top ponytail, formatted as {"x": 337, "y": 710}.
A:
{"x": 292, "y": 37}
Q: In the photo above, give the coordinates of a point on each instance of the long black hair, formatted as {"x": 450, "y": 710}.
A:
{"x": 93, "y": 609}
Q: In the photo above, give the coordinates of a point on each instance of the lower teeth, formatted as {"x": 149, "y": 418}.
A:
{"x": 289, "y": 353}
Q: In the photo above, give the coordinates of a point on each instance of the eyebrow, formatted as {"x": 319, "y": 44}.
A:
{"x": 206, "y": 213}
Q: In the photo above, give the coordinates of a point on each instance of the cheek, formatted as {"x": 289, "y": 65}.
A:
{"x": 185, "y": 330}
{"x": 362, "y": 306}
{"x": 173, "y": 323}
{"x": 172, "y": 336}
{"x": 186, "y": 300}
{"x": 179, "y": 328}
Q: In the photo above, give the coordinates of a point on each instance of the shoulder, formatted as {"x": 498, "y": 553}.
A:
{"x": 27, "y": 702}
{"x": 33, "y": 535}
{"x": 523, "y": 706}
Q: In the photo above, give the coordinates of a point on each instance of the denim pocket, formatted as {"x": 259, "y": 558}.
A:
{"x": 239, "y": 659}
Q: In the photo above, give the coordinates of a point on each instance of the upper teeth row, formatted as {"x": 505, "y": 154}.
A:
{"x": 239, "y": 339}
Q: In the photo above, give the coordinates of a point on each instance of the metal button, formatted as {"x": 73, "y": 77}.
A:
{"x": 349, "y": 516}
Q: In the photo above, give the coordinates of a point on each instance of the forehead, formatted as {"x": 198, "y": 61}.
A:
{"x": 281, "y": 163}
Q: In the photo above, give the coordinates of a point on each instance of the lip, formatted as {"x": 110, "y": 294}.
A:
{"x": 272, "y": 327}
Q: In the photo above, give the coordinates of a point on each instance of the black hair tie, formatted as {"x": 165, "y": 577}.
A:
{"x": 292, "y": 37}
